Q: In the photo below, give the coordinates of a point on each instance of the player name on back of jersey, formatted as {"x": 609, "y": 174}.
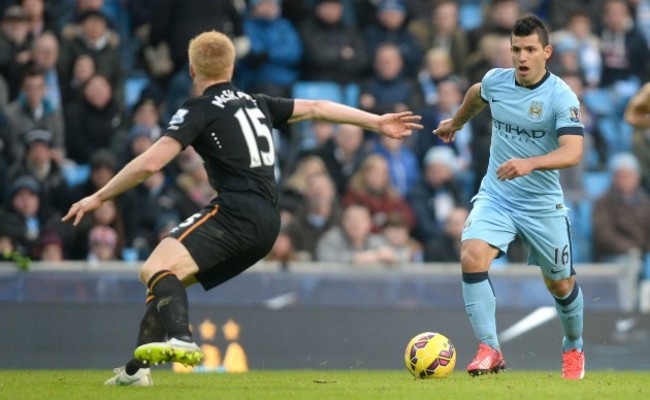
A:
{"x": 229, "y": 95}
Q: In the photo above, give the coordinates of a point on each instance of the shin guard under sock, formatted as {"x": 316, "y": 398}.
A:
{"x": 480, "y": 305}
{"x": 171, "y": 303}
{"x": 570, "y": 310}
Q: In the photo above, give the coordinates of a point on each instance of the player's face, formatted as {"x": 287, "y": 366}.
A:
{"x": 529, "y": 58}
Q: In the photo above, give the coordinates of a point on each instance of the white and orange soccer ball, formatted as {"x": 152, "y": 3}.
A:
{"x": 430, "y": 355}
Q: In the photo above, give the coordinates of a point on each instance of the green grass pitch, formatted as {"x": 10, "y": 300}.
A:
{"x": 313, "y": 384}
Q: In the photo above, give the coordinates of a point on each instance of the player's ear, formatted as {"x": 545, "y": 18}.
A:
{"x": 548, "y": 50}
{"x": 192, "y": 72}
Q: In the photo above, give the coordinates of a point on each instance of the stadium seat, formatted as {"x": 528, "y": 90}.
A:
{"x": 317, "y": 90}
{"x": 76, "y": 174}
{"x": 133, "y": 87}
{"x": 645, "y": 274}
{"x": 596, "y": 183}
{"x": 314, "y": 90}
{"x": 351, "y": 93}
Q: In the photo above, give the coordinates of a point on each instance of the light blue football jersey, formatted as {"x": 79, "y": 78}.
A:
{"x": 526, "y": 122}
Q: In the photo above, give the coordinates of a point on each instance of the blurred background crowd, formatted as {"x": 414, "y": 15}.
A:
{"x": 86, "y": 85}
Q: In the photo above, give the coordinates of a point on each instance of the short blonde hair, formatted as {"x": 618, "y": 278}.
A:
{"x": 212, "y": 55}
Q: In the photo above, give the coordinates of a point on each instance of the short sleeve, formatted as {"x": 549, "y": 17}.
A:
{"x": 567, "y": 112}
{"x": 186, "y": 124}
{"x": 486, "y": 83}
{"x": 280, "y": 109}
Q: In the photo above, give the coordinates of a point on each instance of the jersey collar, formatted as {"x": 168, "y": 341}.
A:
{"x": 538, "y": 84}
{"x": 218, "y": 87}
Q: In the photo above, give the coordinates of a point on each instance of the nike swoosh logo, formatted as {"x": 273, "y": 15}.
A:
{"x": 495, "y": 100}
{"x": 569, "y": 311}
{"x": 555, "y": 271}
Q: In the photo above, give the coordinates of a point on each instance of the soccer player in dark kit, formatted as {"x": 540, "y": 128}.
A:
{"x": 231, "y": 130}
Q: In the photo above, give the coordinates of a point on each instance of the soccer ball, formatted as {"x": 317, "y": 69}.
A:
{"x": 430, "y": 355}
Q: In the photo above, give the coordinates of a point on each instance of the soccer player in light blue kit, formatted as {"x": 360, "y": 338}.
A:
{"x": 536, "y": 131}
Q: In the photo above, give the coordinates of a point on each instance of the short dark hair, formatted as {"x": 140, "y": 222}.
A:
{"x": 529, "y": 24}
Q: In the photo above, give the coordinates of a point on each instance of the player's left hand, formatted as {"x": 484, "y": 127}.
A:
{"x": 399, "y": 125}
{"x": 81, "y": 208}
{"x": 514, "y": 168}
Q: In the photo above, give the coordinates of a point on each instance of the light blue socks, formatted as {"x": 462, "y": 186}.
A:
{"x": 570, "y": 310}
{"x": 480, "y": 305}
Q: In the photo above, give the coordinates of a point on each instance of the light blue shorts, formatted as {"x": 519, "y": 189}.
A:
{"x": 548, "y": 237}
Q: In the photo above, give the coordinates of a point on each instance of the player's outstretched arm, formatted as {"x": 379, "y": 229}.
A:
{"x": 472, "y": 104}
{"x": 637, "y": 112}
{"x": 394, "y": 125}
{"x": 133, "y": 173}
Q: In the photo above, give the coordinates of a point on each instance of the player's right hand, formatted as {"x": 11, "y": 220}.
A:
{"x": 81, "y": 208}
{"x": 446, "y": 130}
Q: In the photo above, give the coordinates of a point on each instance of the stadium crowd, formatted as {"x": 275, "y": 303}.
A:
{"x": 86, "y": 85}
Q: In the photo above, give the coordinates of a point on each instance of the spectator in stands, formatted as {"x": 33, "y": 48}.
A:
{"x": 103, "y": 244}
{"x": 319, "y": 213}
{"x": 441, "y": 31}
{"x": 451, "y": 95}
{"x": 42, "y": 162}
{"x": 500, "y": 18}
{"x": 39, "y": 18}
{"x": 92, "y": 121}
{"x": 50, "y": 247}
{"x": 403, "y": 165}
{"x": 144, "y": 124}
{"x": 621, "y": 217}
{"x": 578, "y": 35}
{"x": 109, "y": 214}
{"x": 318, "y": 136}
{"x": 353, "y": 241}
{"x": 396, "y": 231}
{"x": 637, "y": 114}
{"x": 494, "y": 52}
{"x": 45, "y": 57}
{"x": 83, "y": 68}
{"x": 624, "y": 49}
{"x": 334, "y": 50}
{"x": 344, "y": 155}
{"x": 292, "y": 192}
{"x": 391, "y": 27}
{"x": 192, "y": 179}
{"x": 95, "y": 39}
{"x": 140, "y": 138}
{"x": 7, "y": 155}
{"x": 103, "y": 165}
{"x": 437, "y": 67}
{"x": 15, "y": 42}
{"x": 389, "y": 89}
{"x": 11, "y": 230}
{"x": 282, "y": 250}
{"x": 437, "y": 194}
{"x": 642, "y": 17}
{"x": 175, "y": 22}
{"x": 371, "y": 186}
{"x": 273, "y": 63}
{"x": 142, "y": 206}
{"x": 33, "y": 111}
{"x": 446, "y": 246}
{"x": 562, "y": 10}
{"x": 595, "y": 149}
{"x": 33, "y": 215}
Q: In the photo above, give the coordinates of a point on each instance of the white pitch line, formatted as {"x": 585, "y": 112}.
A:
{"x": 281, "y": 301}
{"x": 538, "y": 317}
